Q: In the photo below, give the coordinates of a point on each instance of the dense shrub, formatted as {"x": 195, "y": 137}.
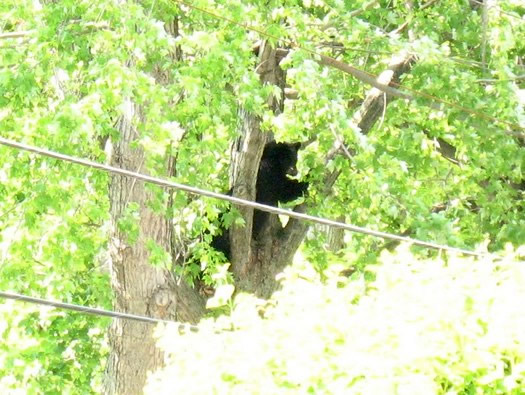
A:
{"x": 422, "y": 327}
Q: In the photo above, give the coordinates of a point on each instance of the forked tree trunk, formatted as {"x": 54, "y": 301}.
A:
{"x": 249, "y": 258}
{"x": 256, "y": 262}
{"x": 142, "y": 289}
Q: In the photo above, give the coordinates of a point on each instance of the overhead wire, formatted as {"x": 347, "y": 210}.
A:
{"x": 363, "y": 75}
{"x": 233, "y": 199}
{"x": 94, "y": 311}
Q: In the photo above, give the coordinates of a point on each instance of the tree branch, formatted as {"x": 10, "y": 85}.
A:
{"x": 365, "y": 117}
{"x": 19, "y": 34}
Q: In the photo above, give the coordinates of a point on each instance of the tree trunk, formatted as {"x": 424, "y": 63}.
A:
{"x": 256, "y": 262}
{"x": 249, "y": 258}
{"x": 139, "y": 287}
{"x": 143, "y": 289}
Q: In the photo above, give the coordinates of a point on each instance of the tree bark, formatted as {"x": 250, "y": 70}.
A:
{"x": 255, "y": 263}
{"x": 249, "y": 258}
{"x": 139, "y": 287}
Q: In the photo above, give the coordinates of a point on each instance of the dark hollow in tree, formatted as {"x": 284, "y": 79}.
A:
{"x": 278, "y": 162}
{"x": 273, "y": 184}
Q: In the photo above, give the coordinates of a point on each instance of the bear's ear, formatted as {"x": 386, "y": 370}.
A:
{"x": 296, "y": 146}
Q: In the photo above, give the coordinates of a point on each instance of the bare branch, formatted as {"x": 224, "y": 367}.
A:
{"x": 365, "y": 7}
{"x": 485, "y": 23}
{"x": 19, "y": 34}
{"x": 428, "y": 4}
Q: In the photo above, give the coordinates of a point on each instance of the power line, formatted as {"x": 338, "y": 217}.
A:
{"x": 94, "y": 311}
{"x": 365, "y": 76}
{"x": 232, "y": 199}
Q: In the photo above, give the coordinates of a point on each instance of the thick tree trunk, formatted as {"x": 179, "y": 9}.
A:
{"x": 249, "y": 258}
{"x": 139, "y": 287}
{"x": 256, "y": 262}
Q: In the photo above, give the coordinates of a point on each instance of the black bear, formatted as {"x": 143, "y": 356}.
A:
{"x": 273, "y": 185}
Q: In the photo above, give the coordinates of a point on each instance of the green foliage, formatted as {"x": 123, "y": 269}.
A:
{"x": 429, "y": 326}
{"x": 50, "y": 351}
{"x": 129, "y": 223}
{"x": 66, "y": 83}
{"x": 158, "y": 255}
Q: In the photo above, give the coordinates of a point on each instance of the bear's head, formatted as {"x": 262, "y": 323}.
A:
{"x": 283, "y": 157}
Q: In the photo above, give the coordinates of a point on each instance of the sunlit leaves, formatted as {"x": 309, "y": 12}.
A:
{"x": 71, "y": 78}
{"x": 129, "y": 223}
{"x": 426, "y": 326}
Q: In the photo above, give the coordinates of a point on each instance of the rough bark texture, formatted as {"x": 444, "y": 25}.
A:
{"x": 247, "y": 152}
{"x": 256, "y": 262}
{"x": 139, "y": 287}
